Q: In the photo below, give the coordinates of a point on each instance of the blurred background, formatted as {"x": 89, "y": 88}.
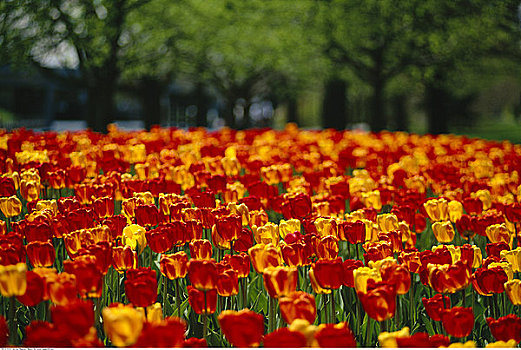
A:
{"x": 425, "y": 66}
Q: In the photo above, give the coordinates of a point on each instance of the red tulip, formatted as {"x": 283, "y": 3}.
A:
{"x": 379, "y": 301}
{"x": 242, "y": 328}
{"x": 195, "y": 343}
{"x": 335, "y": 336}
{"x": 141, "y": 286}
{"x": 329, "y": 273}
{"x": 41, "y": 254}
{"x": 123, "y": 258}
{"x": 229, "y": 227}
{"x": 146, "y": 214}
{"x": 285, "y": 338}
{"x": 103, "y": 207}
{"x": 103, "y": 253}
{"x": 227, "y": 283}
{"x": 240, "y": 263}
{"x": 202, "y": 302}
{"x": 349, "y": 266}
{"x": 74, "y": 319}
{"x": 494, "y": 249}
{"x": 89, "y": 280}
{"x": 489, "y": 281}
{"x": 160, "y": 239}
{"x": 505, "y": 328}
{"x": 203, "y": 274}
{"x": 166, "y": 333}
{"x": 435, "y": 305}
{"x": 35, "y": 290}
{"x": 458, "y": 321}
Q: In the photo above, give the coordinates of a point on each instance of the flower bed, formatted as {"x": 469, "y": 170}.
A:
{"x": 288, "y": 238}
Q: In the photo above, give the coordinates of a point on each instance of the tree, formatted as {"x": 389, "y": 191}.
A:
{"x": 91, "y": 36}
{"x": 371, "y": 38}
{"x": 451, "y": 36}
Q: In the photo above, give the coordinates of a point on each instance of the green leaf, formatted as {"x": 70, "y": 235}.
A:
{"x": 427, "y": 322}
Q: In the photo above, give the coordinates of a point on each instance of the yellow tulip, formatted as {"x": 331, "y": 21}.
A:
{"x": 513, "y": 257}
{"x": 387, "y": 222}
{"x": 122, "y": 324}
{"x": 326, "y": 227}
{"x": 13, "y": 280}
{"x": 388, "y": 339}
{"x": 288, "y": 226}
{"x": 372, "y": 199}
{"x": 443, "y": 231}
{"x": 10, "y": 206}
{"x": 240, "y": 209}
{"x": 513, "y": 290}
{"x": 134, "y": 236}
{"x": 502, "y": 344}
{"x": 362, "y": 274}
{"x": 499, "y": 233}
{"x": 269, "y": 233}
{"x": 455, "y": 210}
{"x": 437, "y": 209}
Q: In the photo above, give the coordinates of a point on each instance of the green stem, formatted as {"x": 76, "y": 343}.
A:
{"x": 205, "y": 316}
{"x": 496, "y": 307}
{"x": 411, "y": 304}
{"x": 165, "y": 295}
{"x": 325, "y": 307}
{"x": 332, "y": 302}
{"x": 150, "y": 257}
{"x": 13, "y": 329}
{"x": 178, "y": 298}
{"x": 118, "y": 288}
{"x": 368, "y": 333}
{"x": 358, "y": 316}
{"x": 271, "y": 315}
{"x": 504, "y": 302}
{"x": 244, "y": 291}
{"x": 397, "y": 314}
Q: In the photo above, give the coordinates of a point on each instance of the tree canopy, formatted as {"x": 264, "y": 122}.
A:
{"x": 276, "y": 50}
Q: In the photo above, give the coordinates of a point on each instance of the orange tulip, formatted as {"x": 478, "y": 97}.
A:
{"x": 202, "y": 274}
{"x": 298, "y": 305}
{"x": 201, "y": 249}
{"x": 280, "y": 281}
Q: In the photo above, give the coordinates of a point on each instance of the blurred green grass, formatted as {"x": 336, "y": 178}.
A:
{"x": 499, "y": 130}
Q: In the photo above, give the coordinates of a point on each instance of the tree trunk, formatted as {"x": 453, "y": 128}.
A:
{"x": 229, "y": 117}
{"x": 100, "y": 105}
{"x": 202, "y": 106}
{"x": 292, "y": 110}
{"x": 334, "y": 105}
{"x": 377, "y": 118}
{"x": 401, "y": 119}
{"x": 151, "y": 98}
{"x": 246, "y": 119}
{"x": 436, "y": 109}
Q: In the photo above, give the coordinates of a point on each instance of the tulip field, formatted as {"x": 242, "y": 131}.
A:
{"x": 261, "y": 237}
